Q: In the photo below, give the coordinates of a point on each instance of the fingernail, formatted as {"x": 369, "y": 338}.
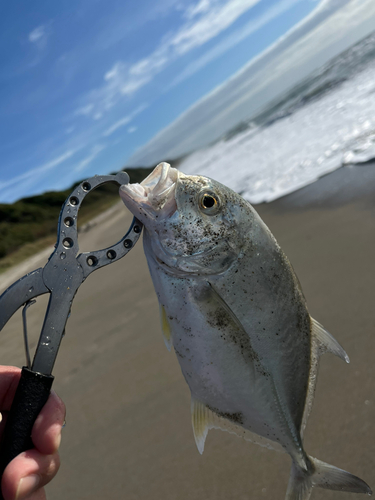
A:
{"x": 26, "y": 486}
{"x": 58, "y": 440}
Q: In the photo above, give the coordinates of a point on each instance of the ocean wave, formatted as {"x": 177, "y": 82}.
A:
{"x": 328, "y": 123}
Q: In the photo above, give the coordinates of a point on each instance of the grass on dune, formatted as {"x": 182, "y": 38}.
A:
{"x": 29, "y": 225}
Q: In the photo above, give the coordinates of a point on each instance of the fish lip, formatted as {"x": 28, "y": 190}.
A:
{"x": 155, "y": 194}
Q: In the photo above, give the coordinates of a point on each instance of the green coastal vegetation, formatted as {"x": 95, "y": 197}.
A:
{"x": 30, "y": 224}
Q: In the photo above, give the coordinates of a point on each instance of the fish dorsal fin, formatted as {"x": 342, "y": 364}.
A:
{"x": 327, "y": 342}
{"x": 165, "y": 327}
{"x": 204, "y": 419}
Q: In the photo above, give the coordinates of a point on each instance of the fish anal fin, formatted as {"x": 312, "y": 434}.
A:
{"x": 199, "y": 420}
{"x": 204, "y": 419}
{"x": 165, "y": 327}
{"x": 327, "y": 342}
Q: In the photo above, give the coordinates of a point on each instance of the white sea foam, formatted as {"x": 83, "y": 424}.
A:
{"x": 268, "y": 162}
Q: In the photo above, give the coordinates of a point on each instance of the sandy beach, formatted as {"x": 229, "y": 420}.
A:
{"x": 128, "y": 433}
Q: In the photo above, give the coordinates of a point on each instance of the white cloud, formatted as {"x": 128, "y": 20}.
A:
{"x": 38, "y": 37}
{"x": 86, "y": 161}
{"x": 124, "y": 121}
{"x": 118, "y": 26}
{"x": 37, "y": 34}
{"x": 202, "y": 22}
{"x": 32, "y": 176}
{"x": 330, "y": 28}
{"x": 198, "y": 8}
{"x": 55, "y": 162}
{"x": 213, "y": 21}
{"x": 85, "y": 110}
{"x": 234, "y": 39}
{"x": 130, "y": 130}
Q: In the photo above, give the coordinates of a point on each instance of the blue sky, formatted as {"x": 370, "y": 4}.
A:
{"x": 89, "y": 86}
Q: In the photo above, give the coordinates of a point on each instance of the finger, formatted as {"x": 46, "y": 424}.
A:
{"x": 38, "y": 495}
{"x": 27, "y": 474}
{"x": 9, "y": 378}
{"x": 46, "y": 433}
{"x": 3, "y": 420}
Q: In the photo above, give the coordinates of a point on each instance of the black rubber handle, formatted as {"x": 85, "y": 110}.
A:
{"x": 31, "y": 395}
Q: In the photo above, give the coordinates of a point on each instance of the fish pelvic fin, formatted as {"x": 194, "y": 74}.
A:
{"x": 322, "y": 475}
{"x": 165, "y": 327}
{"x": 327, "y": 342}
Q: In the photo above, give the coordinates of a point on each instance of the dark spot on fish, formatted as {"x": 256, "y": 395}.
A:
{"x": 182, "y": 356}
{"x": 236, "y": 417}
{"x": 219, "y": 320}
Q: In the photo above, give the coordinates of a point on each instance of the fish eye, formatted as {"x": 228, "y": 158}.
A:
{"x": 209, "y": 202}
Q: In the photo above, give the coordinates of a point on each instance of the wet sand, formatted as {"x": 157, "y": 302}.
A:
{"x": 128, "y": 432}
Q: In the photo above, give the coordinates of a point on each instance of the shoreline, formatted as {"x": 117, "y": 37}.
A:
{"x": 347, "y": 184}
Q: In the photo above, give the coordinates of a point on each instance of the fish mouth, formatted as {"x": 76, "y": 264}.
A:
{"x": 155, "y": 195}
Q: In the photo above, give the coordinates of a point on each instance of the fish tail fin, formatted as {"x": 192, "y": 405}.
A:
{"x": 300, "y": 484}
{"x": 322, "y": 475}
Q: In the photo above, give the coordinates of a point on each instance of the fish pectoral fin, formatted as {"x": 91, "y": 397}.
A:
{"x": 165, "y": 327}
{"x": 327, "y": 342}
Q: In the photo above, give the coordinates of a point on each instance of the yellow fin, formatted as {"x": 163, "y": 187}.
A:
{"x": 165, "y": 328}
{"x": 199, "y": 419}
{"x": 204, "y": 419}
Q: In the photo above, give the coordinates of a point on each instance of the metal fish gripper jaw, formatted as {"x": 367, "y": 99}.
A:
{"x": 61, "y": 277}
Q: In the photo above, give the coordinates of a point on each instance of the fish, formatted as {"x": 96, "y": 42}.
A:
{"x": 232, "y": 308}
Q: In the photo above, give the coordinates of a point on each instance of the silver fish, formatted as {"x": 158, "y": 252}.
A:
{"x": 233, "y": 309}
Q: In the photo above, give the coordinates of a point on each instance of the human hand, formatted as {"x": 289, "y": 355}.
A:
{"x": 27, "y": 474}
